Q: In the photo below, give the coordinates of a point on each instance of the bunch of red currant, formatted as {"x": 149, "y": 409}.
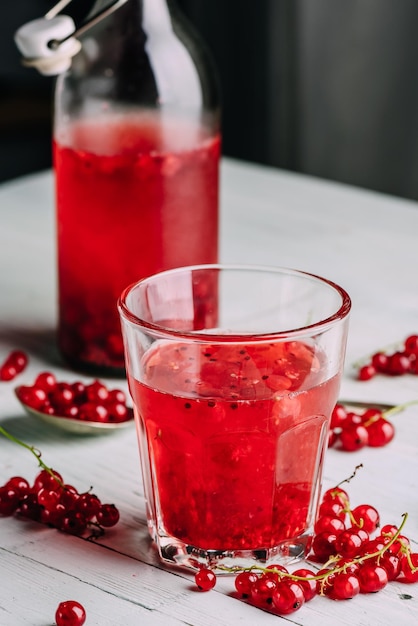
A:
{"x": 351, "y": 431}
{"x": 93, "y": 402}
{"x": 403, "y": 361}
{"x": 50, "y": 501}
{"x": 353, "y": 561}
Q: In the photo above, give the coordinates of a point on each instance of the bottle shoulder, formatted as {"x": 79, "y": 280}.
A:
{"x": 146, "y": 53}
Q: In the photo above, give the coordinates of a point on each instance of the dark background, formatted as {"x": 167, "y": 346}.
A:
{"x": 321, "y": 87}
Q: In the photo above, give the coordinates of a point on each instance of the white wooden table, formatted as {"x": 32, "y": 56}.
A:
{"x": 364, "y": 241}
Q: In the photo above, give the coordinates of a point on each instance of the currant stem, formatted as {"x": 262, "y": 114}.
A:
{"x": 398, "y": 408}
{"x": 350, "y": 478}
{"x": 365, "y": 359}
{"x": 36, "y": 453}
{"x": 337, "y": 570}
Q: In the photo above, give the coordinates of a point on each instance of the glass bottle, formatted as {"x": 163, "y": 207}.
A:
{"x": 136, "y": 159}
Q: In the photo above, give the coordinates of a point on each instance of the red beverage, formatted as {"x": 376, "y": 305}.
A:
{"x": 135, "y": 195}
{"x": 232, "y": 439}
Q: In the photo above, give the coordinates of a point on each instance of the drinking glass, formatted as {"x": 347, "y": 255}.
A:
{"x": 234, "y": 372}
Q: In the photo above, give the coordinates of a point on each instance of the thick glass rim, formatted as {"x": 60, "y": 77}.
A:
{"x": 200, "y": 335}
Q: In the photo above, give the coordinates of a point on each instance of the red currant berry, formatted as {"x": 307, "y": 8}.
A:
{"x": 45, "y": 381}
{"x": 348, "y": 543}
{"x": 332, "y": 508}
{"x": 108, "y": 515}
{"x": 372, "y": 578}
{"x": 70, "y": 613}
{"x": 19, "y": 484}
{"x": 336, "y": 494}
{"x": 69, "y": 496}
{"x": 117, "y": 395}
{"x": 91, "y": 412}
{"x": 409, "y": 567}
{"x": 345, "y": 586}
{"x": 88, "y": 504}
{"x": 401, "y": 545}
{"x": 374, "y": 545}
{"x": 262, "y": 590}
{"x": 32, "y": 396}
{"x": 352, "y": 419}
{"x": 366, "y": 517}
{"x": 323, "y": 545}
{"x": 8, "y": 372}
{"x": 330, "y": 524}
{"x": 399, "y": 364}
{"x": 117, "y": 412}
{"x": 380, "y": 433}
{"x": 97, "y": 392}
{"x": 244, "y": 582}
{"x": 79, "y": 390}
{"x": 354, "y": 438}
{"x": 54, "y": 516}
{"x": 275, "y": 571}
{"x": 14, "y": 364}
{"x": 411, "y": 344}
{"x": 367, "y": 372}
{"x": 48, "y": 498}
{"x": 363, "y": 534}
{"x": 371, "y": 415}
{"x": 338, "y": 416}
{"x": 308, "y": 583}
{"x": 391, "y": 563}
{"x": 71, "y": 411}
{"x": 380, "y": 362}
{"x": 61, "y": 397}
{"x": 288, "y": 597}
{"x": 9, "y": 500}
{"x": 205, "y": 579}
{"x": 30, "y": 508}
{"x": 388, "y": 530}
{"x": 73, "y": 523}
{"x": 47, "y": 480}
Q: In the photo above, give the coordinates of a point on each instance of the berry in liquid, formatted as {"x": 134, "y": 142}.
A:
{"x": 232, "y": 440}
{"x": 134, "y": 196}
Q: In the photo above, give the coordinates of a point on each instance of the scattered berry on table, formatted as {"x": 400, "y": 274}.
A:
{"x": 13, "y": 365}
{"x": 70, "y": 613}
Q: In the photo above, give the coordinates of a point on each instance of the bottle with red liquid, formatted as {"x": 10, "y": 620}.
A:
{"x": 136, "y": 159}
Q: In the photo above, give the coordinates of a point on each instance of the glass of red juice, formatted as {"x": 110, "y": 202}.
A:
{"x": 234, "y": 372}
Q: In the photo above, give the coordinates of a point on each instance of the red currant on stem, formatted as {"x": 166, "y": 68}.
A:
{"x": 244, "y": 582}
{"x": 403, "y": 361}
{"x": 371, "y": 428}
{"x": 409, "y": 568}
{"x": 52, "y": 502}
{"x": 287, "y": 597}
{"x": 205, "y": 579}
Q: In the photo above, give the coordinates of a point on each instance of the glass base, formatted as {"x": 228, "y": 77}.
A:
{"x": 289, "y": 551}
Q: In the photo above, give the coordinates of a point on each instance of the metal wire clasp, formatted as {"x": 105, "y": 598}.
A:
{"x": 113, "y": 6}
{"x": 49, "y": 43}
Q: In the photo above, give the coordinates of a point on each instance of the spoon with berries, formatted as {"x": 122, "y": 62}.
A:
{"x": 76, "y": 407}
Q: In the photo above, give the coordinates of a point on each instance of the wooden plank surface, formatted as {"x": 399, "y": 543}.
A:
{"x": 364, "y": 241}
